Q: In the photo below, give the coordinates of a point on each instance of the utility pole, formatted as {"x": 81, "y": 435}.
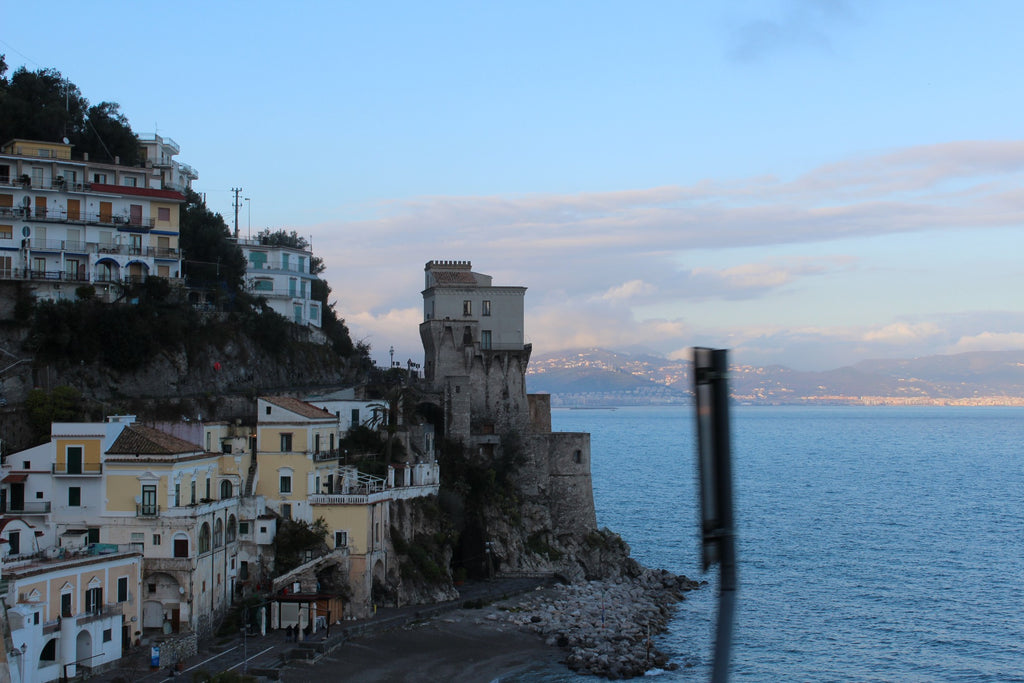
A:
{"x": 237, "y": 191}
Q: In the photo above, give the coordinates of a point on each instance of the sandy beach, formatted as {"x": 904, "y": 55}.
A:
{"x": 461, "y": 646}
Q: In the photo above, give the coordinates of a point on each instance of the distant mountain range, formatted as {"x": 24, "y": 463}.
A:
{"x": 599, "y": 377}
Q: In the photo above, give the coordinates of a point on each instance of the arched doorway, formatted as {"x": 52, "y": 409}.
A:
{"x": 83, "y": 647}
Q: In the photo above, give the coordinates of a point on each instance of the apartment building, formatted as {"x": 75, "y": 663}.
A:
{"x": 282, "y": 276}
{"x": 66, "y": 222}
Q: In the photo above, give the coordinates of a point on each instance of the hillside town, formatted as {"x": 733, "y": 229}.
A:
{"x": 131, "y": 533}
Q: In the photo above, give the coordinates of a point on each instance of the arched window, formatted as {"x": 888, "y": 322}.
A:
{"x": 204, "y": 538}
{"x": 218, "y": 533}
{"x": 232, "y": 528}
{"x": 225, "y": 489}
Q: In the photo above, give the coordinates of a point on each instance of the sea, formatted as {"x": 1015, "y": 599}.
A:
{"x": 874, "y": 543}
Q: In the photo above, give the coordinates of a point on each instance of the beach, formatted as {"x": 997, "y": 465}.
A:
{"x": 463, "y": 646}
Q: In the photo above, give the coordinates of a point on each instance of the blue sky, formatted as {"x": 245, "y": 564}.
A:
{"x": 807, "y": 183}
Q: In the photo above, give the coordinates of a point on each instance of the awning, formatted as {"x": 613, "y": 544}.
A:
{"x": 18, "y": 478}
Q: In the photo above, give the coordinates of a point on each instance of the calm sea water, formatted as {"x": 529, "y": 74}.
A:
{"x": 875, "y": 544}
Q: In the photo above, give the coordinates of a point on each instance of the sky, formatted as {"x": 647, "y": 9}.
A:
{"x": 807, "y": 183}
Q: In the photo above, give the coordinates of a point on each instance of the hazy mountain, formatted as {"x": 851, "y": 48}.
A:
{"x": 604, "y": 377}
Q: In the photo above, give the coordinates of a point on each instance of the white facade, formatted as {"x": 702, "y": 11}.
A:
{"x": 282, "y": 276}
{"x": 159, "y": 153}
{"x": 65, "y": 223}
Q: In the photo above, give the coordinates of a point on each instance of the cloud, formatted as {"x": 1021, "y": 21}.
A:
{"x": 903, "y": 333}
{"x": 590, "y": 260}
{"x": 628, "y": 290}
{"x": 989, "y": 341}
{"x": 805, "y": 24}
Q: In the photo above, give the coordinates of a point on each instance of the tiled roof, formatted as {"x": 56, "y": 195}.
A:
{"x": 298, "y": 407}
{"x": 143, "y": 440}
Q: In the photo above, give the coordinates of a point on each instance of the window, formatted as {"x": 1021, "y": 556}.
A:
{"x": 177, "y": 493}
{"x": 316, "y": 443}
{"x": 74, "y": 459}
{"x": 181, "y": 547}
{"x": 93, "y": 534}
{"x": 286, "y": 510}
{"x": 65, "y": 605}
{"x": 163, "y": 214}
{"x": 107, "y": 635}
{"x": 268, "y": 410}
{"x": 156, "y": 539}
{"x": 151, "y": 587}
{"x": 286, "y": 483}
{"x": 286, "y": 443}
{"x": 232, "y": 532}
{"x": 93, "y": 599}
{"x": 243, "y": 528}
{"x": 129, "y": 181}
{"x": 355, "y": 417}
{"x": 340, "y": 539}
{"x": 225, "y": 448}
{"x": 577, "y": 457}
{"x": 485, "y": 339}
{"x": 26, "y": 465}
{"x": 74, "y": 496}
{"x": 6, "y": 232}
{"x": 100, "y": 178}
{"x": 467, "y": 307}
{"x": 148, "y": 507}
{"x": 218, "y": 533}
{"x": 207, "y": 488}
{"x": 486, "y": 307}
{"x": 193, "y": 502}
{"x": 243, "y": 571}
{"x": 204, "y": 538}
{"x": 122, "y": 589}
{"x": 14, "y": 539}
{"x": 225, "y": 489}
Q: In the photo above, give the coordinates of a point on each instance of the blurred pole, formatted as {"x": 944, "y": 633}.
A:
{"x": 711, "y": 389}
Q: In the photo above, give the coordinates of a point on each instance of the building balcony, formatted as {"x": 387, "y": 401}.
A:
{"x": 168, "y": 564}
{"x": 349, "y": 498}
{"x": 48, "y": 215}
{"x": 111, "y": 611}
{"x": 41, "y": 507}
{"x": 147, "y": 510}
{"x": 88, "y": 469}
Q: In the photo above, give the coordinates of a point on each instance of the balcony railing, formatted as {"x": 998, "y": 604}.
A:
{"x": 27, "y": 508}
{"x": 101, "y": 612}
{"x": 147, "y": 510}
{"x": 87, "y": 469}
{"x": 49, "y": 215}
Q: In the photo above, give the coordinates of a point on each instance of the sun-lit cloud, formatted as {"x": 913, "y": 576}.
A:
{"x": 627, "y": 267}
{"x": 903, "y": 333}
{"x": 989, "y": 341}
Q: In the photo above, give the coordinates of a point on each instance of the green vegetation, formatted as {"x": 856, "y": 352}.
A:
{"x": 43, "y": 105}
{"x": 294, "y": 538}
{"x": 63, "y": 404}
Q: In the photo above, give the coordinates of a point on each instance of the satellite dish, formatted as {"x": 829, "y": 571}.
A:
{"x": 67, "y": 142}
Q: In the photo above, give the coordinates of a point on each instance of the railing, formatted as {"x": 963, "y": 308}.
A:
{"x": 29, "y": 508}
{"x": 102, "y": 612}
{"x": 348, "y": 498}
{"x": 63, "y": 216}
{"x": 278, "y": 293}
{"x": 88, "y": 469}
{"x": 147, "y": 510}
{"x": 168, "y": 564}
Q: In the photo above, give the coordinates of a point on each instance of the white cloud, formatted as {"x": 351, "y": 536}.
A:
{"x": 628, "y": 290}
{"x": 903, "y": 333}
{"x": 989, "y": 341}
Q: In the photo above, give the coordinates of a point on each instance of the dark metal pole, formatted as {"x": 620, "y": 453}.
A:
{"x": 726, "y": 534}
{"x": 711, "y": 391}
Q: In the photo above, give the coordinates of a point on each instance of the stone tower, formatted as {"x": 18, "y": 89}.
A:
{"x": 475, "y": 364}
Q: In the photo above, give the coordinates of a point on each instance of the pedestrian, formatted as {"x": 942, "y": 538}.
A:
{"x": 288, "y": 634}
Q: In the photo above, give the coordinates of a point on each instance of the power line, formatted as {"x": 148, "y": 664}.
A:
{"x": 237, "y": 191}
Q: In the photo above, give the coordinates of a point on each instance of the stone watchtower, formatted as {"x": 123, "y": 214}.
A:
{"x": 475, "y": 357}
{"x": 475, "y": 363}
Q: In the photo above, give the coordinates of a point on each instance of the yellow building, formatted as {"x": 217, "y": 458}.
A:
{"x": 73, "y": 612}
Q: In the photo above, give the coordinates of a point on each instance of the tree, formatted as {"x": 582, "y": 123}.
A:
{"x": 107, "y": 135}
{"x": 282, "y": 238}
{"x": 210, "y": 255}
{"x": 41, "y": 105}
